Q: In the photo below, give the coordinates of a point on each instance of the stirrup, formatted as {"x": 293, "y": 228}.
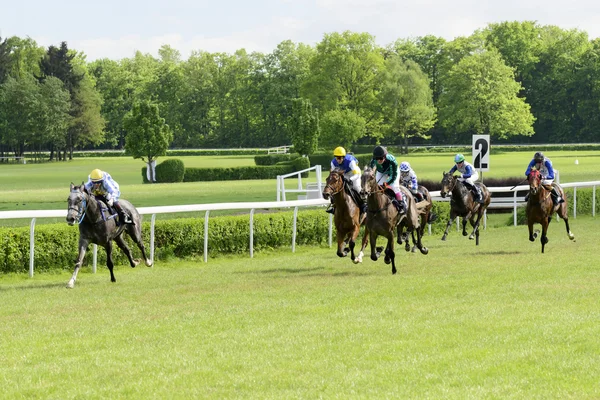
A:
{"x": 127, "y": 219}
{"x": 330, "y": 210}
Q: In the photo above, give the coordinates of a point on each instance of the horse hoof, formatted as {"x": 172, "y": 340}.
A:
{"x": 135, "y": 263}
{"x": 413, "y": 250}
{"x": 387, "y": 260}
{"x": 571, "y": 236}
{"x": 379, "y": 249}
{"x": 465, "y": 233}
{"x": 471, "y": 237}
{"x": 425, "y": 250}
{"x": 444, "y": 238}
{"x": 70, "y": 285}
{"x": 148, "y": 263}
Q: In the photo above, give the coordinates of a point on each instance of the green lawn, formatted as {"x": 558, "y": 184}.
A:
{"x": 500, "y": 320}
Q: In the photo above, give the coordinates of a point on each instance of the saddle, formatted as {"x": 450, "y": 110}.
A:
{"x": 354, "y": 195}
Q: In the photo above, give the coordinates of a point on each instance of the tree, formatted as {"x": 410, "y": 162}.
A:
{"x": 53, "y": 115}
{"x": 341, "y": 128}
{"x": 148, "y": 136}
{"x": 481, "y": 98}
{"x": 5, "y": 61}
{"x": 303, "y": 125}
{"x": 406, "y": 100}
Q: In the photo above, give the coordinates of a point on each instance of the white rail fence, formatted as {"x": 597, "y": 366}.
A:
{"x": 207, "y": 208}
{"x": 313, "y": 190}
{"x": 279, "y": 150}
{"x": 501, "y": 202}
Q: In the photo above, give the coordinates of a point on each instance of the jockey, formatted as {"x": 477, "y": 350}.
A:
{"x": 468, "y": 176}
{"x": 544, "y": 165}
{"x": 387, "y": 171}
{"x": 349, "y": 164}
{"x": 100, "y": 183}
{"x": 408, "y": 178}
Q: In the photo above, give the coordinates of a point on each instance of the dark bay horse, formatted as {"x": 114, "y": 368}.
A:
{"x": 540, "y": 207}
{"x": 425, "y": 215}
{"x": 347, "y": 214}
{"x": 383, "y": 218}
{"x": 98, "y": 226}
{"x": 463, "y": 205}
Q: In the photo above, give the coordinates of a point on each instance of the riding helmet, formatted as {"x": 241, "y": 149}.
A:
{"x": 538, "y": 157}
{"x": 339, "y": 152}
{"x": 404, "y": 166}
{"x": 459, "y": 158}
{"x": 97, "y": 175}
{"x": 379, "y": 152}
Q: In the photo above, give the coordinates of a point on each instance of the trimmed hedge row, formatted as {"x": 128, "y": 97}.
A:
{"x": 272, "y": 159}
{"x": 56, "y": 244}
{"x": 226, "y": 174}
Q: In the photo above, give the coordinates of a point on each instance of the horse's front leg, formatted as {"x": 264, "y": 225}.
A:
{"x": 83, "y": 245}
{"x": 341, "y": 241}
{"x": 375, "y": 252}
{"x": 419, "y": 242}
{"x": 361, "y": 253}
{"x": 449, "y": 224}
{"x": 544, "y": 238}
{"x": 390, "y": 256}
{"x": 123, "y": 246}
{"x": 109, "y": 261}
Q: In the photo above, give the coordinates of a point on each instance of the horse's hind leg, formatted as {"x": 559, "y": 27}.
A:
{"x": 109, "y": 261}
{"x": 123, "y": 246}
{"x": 135, "y": 231}
{"x": 566, "y": 219}
{"x": 83, "y": 245}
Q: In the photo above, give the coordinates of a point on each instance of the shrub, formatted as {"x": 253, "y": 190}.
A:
{"x": 170, "y": 171}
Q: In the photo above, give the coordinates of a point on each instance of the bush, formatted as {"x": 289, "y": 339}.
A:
{"x": 272, "y": 159}
{"x": 170, "y": 171}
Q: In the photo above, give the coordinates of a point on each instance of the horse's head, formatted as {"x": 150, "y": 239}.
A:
{"x": 448, "y": 183}
{"x": 334, "y": 183}
{"x": 535, "y": 181}
{"x": 368, "y": 183}
{"x": 76, "y": 204}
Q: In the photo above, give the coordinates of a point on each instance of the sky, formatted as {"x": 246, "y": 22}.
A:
{"x": 117, "y": 29}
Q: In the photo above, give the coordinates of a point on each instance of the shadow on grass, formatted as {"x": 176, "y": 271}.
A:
{"x": 33, "y": 286}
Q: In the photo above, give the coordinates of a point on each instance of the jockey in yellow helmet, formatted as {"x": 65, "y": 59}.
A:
{"x": 349, "y": 164}
{"x": 100, "y": 183}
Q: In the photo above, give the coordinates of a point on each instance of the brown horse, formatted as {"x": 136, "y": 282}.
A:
{"x": 347, "y": 214}
{"x": 383, "y": 218}
{"x": 425, "y": 216}
{"x": 463, "y": 205}
{"x": 540, "y": 207}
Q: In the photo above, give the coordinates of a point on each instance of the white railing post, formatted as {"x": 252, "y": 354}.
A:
{"x": 294, "y": 231}
{"x": 206, "y": 235}
{"x": 319, "y": 181}
{"x": 515, "y": 209}
{"x": 152, "y": 223}
{"x": 330, "y": 229}
{"x": 278, "y": 187}
{"x": 252, "y": 233}
{"x": 594, "y": 201}
{"x": 31, "y": 246}
{"x": 575, "y": 202}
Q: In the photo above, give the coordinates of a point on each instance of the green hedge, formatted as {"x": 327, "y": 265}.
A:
{"x": 272, "y": 159}
{"x": 170, "y": 171}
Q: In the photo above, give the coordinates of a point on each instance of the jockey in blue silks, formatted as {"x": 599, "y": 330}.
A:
{"x": 408, "y": 178}
{"x": 349, "y": 164}
{"x": 468, "y": 176}
{"x": 100, "y": 183}
{"x": 544, "y": 165}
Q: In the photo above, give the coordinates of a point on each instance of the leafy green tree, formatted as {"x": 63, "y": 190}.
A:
{"x": 20, "y": 102}
{"x": 341, "y": 128}
{"x": 343, "y": 76}
{"x": 53, "y": 115}
{"x": 5, "y": 60}
{"x": 148, "y": 136}
{"x": 406, "y": 100}
{"x": 481, "y": 98}
{"x": 303, "y": 125}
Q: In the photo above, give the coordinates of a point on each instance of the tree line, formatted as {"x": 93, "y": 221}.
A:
{"x": 518, "y": 81}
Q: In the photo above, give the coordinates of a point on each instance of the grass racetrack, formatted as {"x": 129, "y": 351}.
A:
{"x": 499, "y": 320}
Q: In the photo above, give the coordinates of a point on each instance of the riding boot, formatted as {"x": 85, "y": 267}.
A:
{"x": 399, "y": 204}
{"x": 477, "y": 193}
{"x": 123, "y": 216}
{"x": 556, "y": 196}
{"x": 418, "y": 197}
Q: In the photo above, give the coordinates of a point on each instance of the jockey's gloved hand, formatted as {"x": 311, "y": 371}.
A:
{"x": 109, "y": 201}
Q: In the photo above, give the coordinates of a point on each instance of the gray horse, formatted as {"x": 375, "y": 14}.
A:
{"x": 97, "y": 225}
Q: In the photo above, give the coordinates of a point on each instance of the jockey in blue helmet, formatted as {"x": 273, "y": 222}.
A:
{"x": 544, "y": 165}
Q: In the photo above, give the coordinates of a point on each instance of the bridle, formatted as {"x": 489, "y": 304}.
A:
{"x": 81, "y": 207}
{"x": 334, "y": 191}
